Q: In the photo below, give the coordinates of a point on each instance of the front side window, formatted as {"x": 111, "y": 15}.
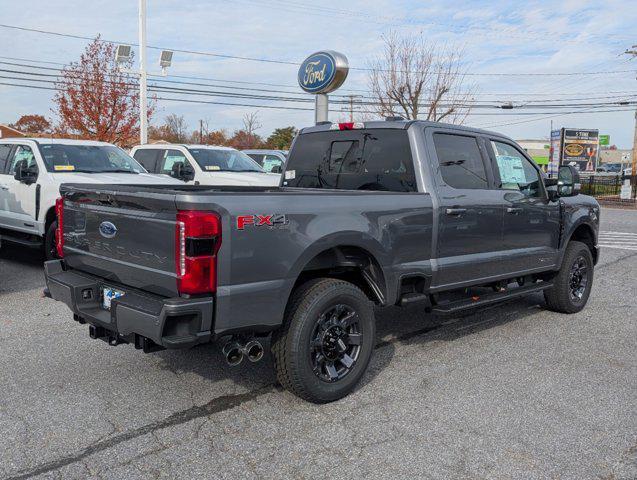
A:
{"x": 22, "y": 152}
{"x": 460, "y": 161}
{"x": 60, "y": 158}
{"x": 169, "y": 159}
{"x": 516, "y": 172}
{"x": 374, "y": 159}
{"x": 271, "y": 161}
{"x": 214, "y": 160}
{"x": 257, "y": 157}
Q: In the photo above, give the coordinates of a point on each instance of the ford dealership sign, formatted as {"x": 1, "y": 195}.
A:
{"x": 323, "y": 72}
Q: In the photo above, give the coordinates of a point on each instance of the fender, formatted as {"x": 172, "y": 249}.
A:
{"x": 356, "y": 239}
{"x": 572, "y": 219}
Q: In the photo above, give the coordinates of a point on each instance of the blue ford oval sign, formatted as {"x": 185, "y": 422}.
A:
{"x": 108, "y": 230}
{"x": 323, "y": 72}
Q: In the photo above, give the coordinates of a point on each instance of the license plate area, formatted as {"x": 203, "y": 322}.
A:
{"x": 108, "y": 295}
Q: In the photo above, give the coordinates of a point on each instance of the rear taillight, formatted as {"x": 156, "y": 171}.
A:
{"x": 59, "y": 231}
{"x": 197, "y": 241}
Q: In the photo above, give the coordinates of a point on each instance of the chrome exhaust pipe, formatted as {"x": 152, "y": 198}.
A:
{"x": 233, "y": 353}
{"x": 253, "y": 350}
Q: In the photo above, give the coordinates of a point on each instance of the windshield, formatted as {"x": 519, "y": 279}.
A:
{"x": 88, "y": 159}
{"x": 212, "y": 160}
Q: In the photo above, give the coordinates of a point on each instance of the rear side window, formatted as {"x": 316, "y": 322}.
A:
{"x": 377, "y": 159}
{"x": 257, "y": 157}
{"x": 461, "y": 164}
{"x": 5, "y": 150}
{"x": 147, "y": 157}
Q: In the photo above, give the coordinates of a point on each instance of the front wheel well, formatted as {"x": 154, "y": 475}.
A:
{"x": 352, "y": 264}
{"x": 584, "y": 233}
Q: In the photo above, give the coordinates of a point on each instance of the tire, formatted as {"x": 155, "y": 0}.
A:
{"x": 563, "y": 297}
{"x": 327, "y": 324}
{"x": 50, "y": 248}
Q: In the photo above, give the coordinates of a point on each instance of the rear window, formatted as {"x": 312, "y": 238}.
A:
{"x": 374, "y": 159}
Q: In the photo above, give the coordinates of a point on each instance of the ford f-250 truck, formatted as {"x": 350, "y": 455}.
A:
{"x": 392, "y": 213}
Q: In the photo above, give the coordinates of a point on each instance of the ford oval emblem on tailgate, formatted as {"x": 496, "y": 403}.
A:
{"x": 108, "y": 230}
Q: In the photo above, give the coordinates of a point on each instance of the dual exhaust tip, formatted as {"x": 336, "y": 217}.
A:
{"x": 234, "y": 352}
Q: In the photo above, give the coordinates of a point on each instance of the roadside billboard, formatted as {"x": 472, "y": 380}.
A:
{"x": 580, "y": 148}
{"x": 554, "y": 155}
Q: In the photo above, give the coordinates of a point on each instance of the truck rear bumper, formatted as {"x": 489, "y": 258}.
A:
{"x": 136, "y": 317}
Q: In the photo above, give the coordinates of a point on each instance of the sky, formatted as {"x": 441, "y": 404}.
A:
{"x": 499, "y": 38}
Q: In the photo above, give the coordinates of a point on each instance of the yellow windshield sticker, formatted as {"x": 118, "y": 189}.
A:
{"x": 64, "y": 168}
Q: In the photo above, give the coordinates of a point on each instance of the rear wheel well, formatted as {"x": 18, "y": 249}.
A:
{"x": 352, "y": 264}
{"x": 49, "y": 219}
{"x": 584, "y": 234}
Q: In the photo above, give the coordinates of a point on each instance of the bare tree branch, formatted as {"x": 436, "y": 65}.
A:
{"x": 414, "y": 78}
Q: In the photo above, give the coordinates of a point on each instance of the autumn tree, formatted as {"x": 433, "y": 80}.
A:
{"x": 97, "y": 98}
{"x": 216, "y": 137}
{"x": 242, "y": 140}
{"x": 281, "y": 138}
{"x": 418, "y": 79}
{"x": 173, "y": 130}
{"x": 32, "y": 124}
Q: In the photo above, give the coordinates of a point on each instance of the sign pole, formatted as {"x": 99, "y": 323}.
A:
{"x": 322, "y": 107}
{"x": 143, "y": 99}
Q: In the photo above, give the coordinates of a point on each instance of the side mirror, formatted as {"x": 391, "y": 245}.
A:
{"x": 25, "y": 174}
{"x": 276, "y": 169}
{"x": 568, "y": 183}
{"x": 182, "y": 172}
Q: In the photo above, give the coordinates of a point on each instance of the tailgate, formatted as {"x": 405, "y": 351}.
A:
{"x": 123, "y": 234}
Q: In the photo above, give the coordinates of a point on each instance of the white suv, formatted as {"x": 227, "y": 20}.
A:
{"x": 32, "y": 170}
{"x": 204, "y": 164}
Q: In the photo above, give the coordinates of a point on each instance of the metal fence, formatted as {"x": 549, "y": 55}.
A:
{"x": 611, "y": 189}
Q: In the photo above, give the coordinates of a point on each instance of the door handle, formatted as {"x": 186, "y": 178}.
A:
{"x": 514, "y": 210}
{"x": 455, "y": 211}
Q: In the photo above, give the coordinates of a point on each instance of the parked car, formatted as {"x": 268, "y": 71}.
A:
{"x": 32, "y": 170}
{"x": 271, "y": 160}
{"x": 204, "y": 164}
{"x": 610, "y": 168}
{"x": 391, "y": 213}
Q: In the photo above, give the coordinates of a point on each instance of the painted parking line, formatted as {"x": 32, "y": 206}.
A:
{"x": 618, "y": 240}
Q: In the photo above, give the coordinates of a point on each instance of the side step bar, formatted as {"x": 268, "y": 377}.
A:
{"x": 21, "y": 241}
{"x": 488, "y": 299}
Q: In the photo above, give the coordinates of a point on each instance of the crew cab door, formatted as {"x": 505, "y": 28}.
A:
{"x": 470, "y": 210}
{"x": 5, "y": 154}
{"x": 18, "y": 199}
{"x": 531, "y": 222}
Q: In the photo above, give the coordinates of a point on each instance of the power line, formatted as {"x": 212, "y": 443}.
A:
{"x": 285, "y": 62}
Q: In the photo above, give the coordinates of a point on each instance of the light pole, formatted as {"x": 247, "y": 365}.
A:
{"x": 143, "y": 84}
{"x": 633, "y": 52}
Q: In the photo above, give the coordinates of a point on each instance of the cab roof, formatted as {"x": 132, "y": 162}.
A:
{"x": 394, "y": 123}
{"x": 186, "y": 145}
{"x": 56, "y": 141}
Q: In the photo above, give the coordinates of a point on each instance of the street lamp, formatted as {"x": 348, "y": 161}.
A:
{"x": 165, "y": 60}
{"x": 123, "y": 53}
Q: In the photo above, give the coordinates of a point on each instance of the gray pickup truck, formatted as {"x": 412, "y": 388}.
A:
{"x": 388, "y": 213}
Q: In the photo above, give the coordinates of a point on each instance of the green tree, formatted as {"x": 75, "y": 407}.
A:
{"x": 281, "y": 138}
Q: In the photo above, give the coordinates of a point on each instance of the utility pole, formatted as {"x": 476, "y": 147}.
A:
{"x": 633, "y": 52}
{"x": 352, "y": 99}
{"x": 143, "y": 86}
{"x": 201, "y": 132}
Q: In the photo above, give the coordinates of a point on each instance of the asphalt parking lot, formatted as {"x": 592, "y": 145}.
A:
{"x": 509, "y": 392}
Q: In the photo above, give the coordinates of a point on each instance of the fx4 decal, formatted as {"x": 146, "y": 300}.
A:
{"x": 274, "y": 220}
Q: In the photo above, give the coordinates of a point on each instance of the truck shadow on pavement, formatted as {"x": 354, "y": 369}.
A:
{"x": 21, "y": 268}
{"x": 394, "y": 326}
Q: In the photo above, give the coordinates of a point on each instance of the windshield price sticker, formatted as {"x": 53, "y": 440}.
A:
{"x": 290, "y": 174}
{"x": 213, "y": 167}
{"x": 64, "y": 168}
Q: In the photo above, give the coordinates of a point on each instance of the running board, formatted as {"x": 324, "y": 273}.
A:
{"x": 488, "y": 299}
{"x": 21, "y": 241}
